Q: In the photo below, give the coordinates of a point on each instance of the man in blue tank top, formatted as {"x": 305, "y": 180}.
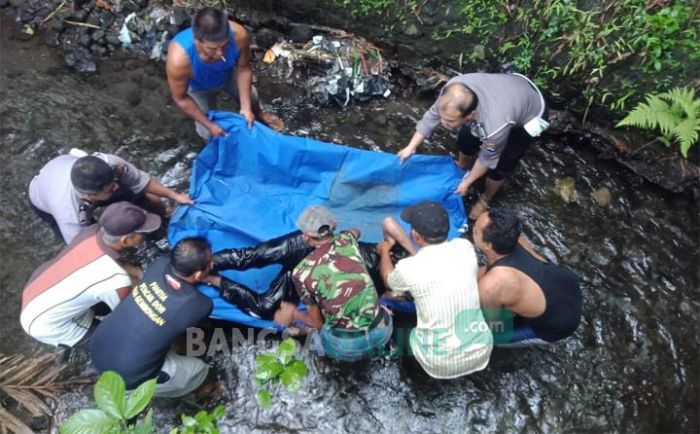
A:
{"x": 545, "y": 299}
{"x": 201, "y": 62}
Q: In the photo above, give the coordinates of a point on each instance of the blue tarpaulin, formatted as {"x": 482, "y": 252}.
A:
{"x": 251, "y": 186}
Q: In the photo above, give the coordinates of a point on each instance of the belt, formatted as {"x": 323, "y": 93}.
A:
{"x": 379, "y": 319}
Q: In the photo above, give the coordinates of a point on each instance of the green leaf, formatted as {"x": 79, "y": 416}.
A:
{"x": 286, "y": 350}
{"x": 219, "y": 412}
{"x": 188, "y": 421}
{"x": 109, "y": 394}
{"x": 91, "y": 421}
{"x": 269, "y": 371}
{"x": 263, "y": 359}
{"x": 293, "y": 374}
{"x": 203, "y": 418}
{"x": 299, "y": 368}
{"x": 145, "y": 426}
{"x": 264, "y": 398}
{"x": 140, "y": 398}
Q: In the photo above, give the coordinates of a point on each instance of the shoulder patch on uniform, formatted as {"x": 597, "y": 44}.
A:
{"x": 172, "y": 282}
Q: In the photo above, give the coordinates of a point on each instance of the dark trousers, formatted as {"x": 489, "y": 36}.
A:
{"x": 518, "y": 142}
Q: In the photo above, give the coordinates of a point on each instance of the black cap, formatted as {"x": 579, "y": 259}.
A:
{"x": 428, "y": 218}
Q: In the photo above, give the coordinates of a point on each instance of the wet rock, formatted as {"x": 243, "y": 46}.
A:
{"x": 356, "y": 118}
{"x": 94, "y": 19}
{"x": 85, "y": 39}
{"x": 566, "y": 189}
{"x": 107, "y": 19}
{"x": 131, "y": 64}
{"x": 113, "y": 39}
{"x": 149, "y": 84}
{"x": 413, "y": 31}
{"x": 686, "y": 308}
{"x": 133, "y": 97}
{"x": 57, "y": 25}
{"x": 172, "y": 30}
{"x": 79, "y": 16}
{"x": 181, "y": 18}
{"x": 43, "y": 13}
{"x": 22, "y": 34}
{"x": 266, "y": 38}
{"x": 89, "y": 5}
{"x": 98, "y": 50}
{"x": 129, "y": 6}
{"x": 602, "y": 197}
{"x": 81, "y": 60}
{"x": 39, "y": 423}
{"x": 431, "y": 8}
{"x": 299, "y": 33}
{"x": 26, "y": 13}
{"x": 162, "y": 25}
{"x": 98, "y": 36}
{"x": 16, "y": 3}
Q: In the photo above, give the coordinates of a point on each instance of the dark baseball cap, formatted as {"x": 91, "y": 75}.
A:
{"x": 428, "y": 218}
{"x": 124, "y": 218}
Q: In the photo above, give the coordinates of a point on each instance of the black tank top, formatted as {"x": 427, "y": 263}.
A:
{"x": 562, "y": 294}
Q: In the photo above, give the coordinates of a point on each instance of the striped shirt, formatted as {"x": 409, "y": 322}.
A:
{"x": 57, "y": 299}
{"x": 451, "y": 338}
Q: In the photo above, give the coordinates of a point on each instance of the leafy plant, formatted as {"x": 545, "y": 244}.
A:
{"x": 114, "y": 410}
{"x": 203, "y": 422}
{"x": 280, "y": 367}
{"x": 676, "y": 114}
{"x": 116, "y": 413}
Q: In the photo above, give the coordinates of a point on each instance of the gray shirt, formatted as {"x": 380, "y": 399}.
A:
{"x": 52, "y": 190}
{"x": 505, "y": 101}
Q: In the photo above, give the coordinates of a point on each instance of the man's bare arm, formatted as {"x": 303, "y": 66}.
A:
{"x": 179, "y": 73}
{"x": 244, "y": 72}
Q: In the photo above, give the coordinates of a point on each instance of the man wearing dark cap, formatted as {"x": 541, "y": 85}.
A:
{"x": 57, "y": 300}
{"x": 67, "y": 190}
{"x": 451, "y": 338}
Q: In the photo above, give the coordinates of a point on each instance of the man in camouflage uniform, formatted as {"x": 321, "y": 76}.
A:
{"x": 334, "y": 284}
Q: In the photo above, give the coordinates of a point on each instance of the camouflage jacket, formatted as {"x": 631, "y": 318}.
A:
{"x": 335, "y": 278}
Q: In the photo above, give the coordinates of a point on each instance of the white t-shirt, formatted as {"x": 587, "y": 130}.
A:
{"x": 451, "y": 338}
{"x": 52, "y": 190}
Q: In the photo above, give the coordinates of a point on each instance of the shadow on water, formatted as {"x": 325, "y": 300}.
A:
{"x": 631, "y": 366}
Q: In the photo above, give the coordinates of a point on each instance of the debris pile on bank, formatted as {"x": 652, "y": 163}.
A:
{"x": 334, "y": 69}
{"x": 90, "y": 30}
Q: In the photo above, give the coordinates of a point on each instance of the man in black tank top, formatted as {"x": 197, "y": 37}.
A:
{"x": 545, "y": 299}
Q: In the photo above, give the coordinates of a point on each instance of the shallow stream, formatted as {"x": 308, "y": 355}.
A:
{"x": 631, "y": 366}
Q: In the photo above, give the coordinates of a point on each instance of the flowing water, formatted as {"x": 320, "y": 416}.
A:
{"x": 631, "y": 366}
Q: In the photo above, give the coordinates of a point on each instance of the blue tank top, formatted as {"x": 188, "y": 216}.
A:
{"x": 207, "y": 75}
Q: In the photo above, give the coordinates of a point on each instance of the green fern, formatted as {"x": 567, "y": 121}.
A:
{"x": 676, "y": 114}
